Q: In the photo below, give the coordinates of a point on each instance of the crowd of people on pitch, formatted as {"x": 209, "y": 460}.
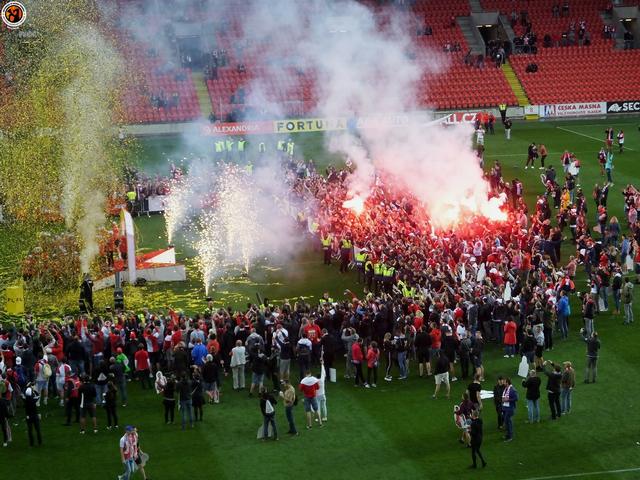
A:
{"x": 431, "y": 303}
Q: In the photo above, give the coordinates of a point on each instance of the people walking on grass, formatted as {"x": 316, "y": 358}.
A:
{"x": 169, "y": 400}
{"x": 567, "y": 384}
{"x": 554, "y": 377}
{"x": 510, "y": 329}
{"x": 30, "y": 399}
{"x": 388, "y": 351}
{"x": 321, "y": 396}
{"x": 288, "y": 395}
{"x": 509, "y": 401}
{"x": 532, "y": 384}
{"x": 475, "y": 432}
{"x": 197, "y": 395}
{"x": 184, "y": 389}
{"x": 626, "y": 296}
{"x": 373, "y": 356}
{"x": 211, "y": 379}
{"x": 357, "y": 357}
{"x": 268, "y": 409}
{"x": 238, "y": 361}
{"x": 442, "y": 374}
{"x": 128, "y": 452}
{"x": 309, "y": 387}
{"x": 87, "y": 404}
{"x": 593, "y": 349}
{"x": 111, "y": 405}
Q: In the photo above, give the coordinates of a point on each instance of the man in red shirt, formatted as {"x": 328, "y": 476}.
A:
{"x": 142, "y": 366}
{"x": 314, "y": 333}
{"x": 309, "y": 386}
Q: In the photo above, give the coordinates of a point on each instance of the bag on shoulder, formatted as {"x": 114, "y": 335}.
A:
{"x": 268, "y": 408}
{"x": 46, "y": 370}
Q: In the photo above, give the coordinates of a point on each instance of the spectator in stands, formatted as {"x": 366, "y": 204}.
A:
{"x": 628, "y": 40}
{"x": 565, "y": 8}
{"x": 546, "y": 42}
{"x": 555, "y": 10}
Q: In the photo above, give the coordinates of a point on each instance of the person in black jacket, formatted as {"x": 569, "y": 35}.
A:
{"x": 30, "y": 399}
{"x": 553, "y": 388}
{"x": 475, "y": 430}
{"x": 110, "y": 401}
{"x": 268, "y": 414}
{"x": 498, "y": 389}
{"x": 532, "y": 384}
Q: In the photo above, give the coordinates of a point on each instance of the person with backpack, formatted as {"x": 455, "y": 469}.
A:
{"x": 267, "y": 407}
{"x": 43, "y": 373}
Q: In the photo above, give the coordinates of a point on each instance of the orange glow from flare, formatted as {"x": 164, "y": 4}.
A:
{"x": 356, "y": 204}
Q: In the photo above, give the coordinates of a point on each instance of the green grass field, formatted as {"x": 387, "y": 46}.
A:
{"x": 395, "y": 431}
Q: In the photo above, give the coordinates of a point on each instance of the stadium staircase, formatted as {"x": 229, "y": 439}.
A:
{"x": 518, "y": 89}
{"x": 203, "y": 93}
{"x": 515, "y": 84}
{"x": 475, "y": 6}
{"x": 466, "y": 26}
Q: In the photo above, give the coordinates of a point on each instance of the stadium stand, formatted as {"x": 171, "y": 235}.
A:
{"x": 438, "y": 38}
{"x": 158, "y": 91}
{"x": 569, "y": 68}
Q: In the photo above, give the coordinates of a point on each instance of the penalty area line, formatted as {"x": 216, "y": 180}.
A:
{"x": 588, "y": 136}
{"x": 586, "y": 474}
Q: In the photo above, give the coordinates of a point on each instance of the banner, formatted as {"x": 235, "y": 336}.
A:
{"x": 243, "y": 128}
{"x": 457, "y": 118}
{"x": 310, "y": 125}
{"x": 531, "y": 110}
{"x": 632, "y": 106}
{"x": 14, "y": 300}
{"x": 573, "y": 109}
{"x": 156, "y": 203}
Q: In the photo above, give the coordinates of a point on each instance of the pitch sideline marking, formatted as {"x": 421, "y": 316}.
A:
{"x": 587, "y": 136}
{"x": 585, "y": 474}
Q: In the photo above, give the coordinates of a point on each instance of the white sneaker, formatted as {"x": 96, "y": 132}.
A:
{"x": 366, "y": 385}
{"x": 505, "y": 356}
{"x": 374, "y": 385}
{"x": 454, "y": 379}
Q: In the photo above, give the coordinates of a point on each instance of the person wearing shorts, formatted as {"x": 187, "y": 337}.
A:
{"x": 442, "y": 373}
{"x": 309, "y": 386}
{"x": 87, "y": 403}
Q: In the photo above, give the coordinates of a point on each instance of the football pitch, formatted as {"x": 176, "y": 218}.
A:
{"x": 396, "y": 431}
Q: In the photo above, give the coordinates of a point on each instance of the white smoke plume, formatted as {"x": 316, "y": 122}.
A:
{"x": 364, "y": 69}
{"x": 86, "y": 131}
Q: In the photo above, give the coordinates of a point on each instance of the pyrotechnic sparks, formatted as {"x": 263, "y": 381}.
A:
{"x": 176, "y": 206}
{"x": 356, "y": 204}
{"x": 210, "y": 248}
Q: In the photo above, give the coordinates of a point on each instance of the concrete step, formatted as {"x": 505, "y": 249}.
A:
{"x": 203, "y": 93}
